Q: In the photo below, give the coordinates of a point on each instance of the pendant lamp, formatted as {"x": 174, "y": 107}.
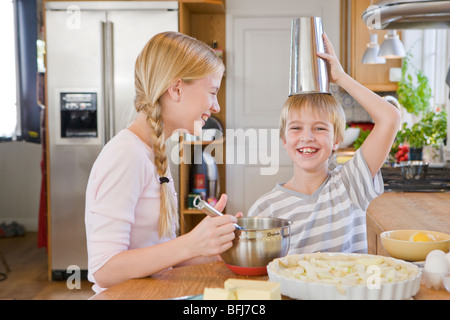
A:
{"x": 371, "y": 54}
{"x": 392, "y": 47}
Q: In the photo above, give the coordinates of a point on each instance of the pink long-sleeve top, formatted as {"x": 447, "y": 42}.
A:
{"x": 122, "y": 201}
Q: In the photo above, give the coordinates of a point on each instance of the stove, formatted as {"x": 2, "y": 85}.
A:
{"x": 436, "y": 180}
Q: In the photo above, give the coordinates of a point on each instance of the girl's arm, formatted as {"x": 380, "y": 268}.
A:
{"x": 210, "y": 237}
{"x": 386, "y": 117}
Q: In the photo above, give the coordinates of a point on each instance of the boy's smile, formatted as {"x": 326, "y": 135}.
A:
{"x": 307, "y": 150}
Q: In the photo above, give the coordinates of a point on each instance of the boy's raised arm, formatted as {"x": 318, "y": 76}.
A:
{"x": 386, "y": 117}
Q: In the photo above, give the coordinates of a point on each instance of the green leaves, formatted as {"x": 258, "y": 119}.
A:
{"x": 413, "y": 95}
{"x": 430, "y": 130}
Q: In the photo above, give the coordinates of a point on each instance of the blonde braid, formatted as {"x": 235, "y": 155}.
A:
{"x": 168, "y": 213}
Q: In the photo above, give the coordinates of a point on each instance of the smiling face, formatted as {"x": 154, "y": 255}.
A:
{"x": 201, "y": 98}
{"x": 309, "y": 139}
{"x": 311, "y": 127}
{"x": 189, "y": 102}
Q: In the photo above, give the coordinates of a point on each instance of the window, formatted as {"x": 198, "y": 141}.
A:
{"x": 8, "y": 79}
{"x": 20, "y": 112}
{"x": 431, "y": 54}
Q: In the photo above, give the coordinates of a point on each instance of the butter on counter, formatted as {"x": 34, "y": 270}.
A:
{"x": 218, "y": 294}
{"x": 240, "y": 289}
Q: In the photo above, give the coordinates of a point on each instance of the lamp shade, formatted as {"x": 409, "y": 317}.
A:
{"x": 392, "y": 47}
{"x": 371, "y": 54}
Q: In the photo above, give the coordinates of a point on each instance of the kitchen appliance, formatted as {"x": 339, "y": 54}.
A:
{"x": 91, "y": 49}
{"x": 437, "y": 179}
{"x": 408, "y": 14}
{"x": 212, "y": 181}
{"x": 413, "y": 170}
{"x": 308, "y": 72}
{"x": 204, "y": 176}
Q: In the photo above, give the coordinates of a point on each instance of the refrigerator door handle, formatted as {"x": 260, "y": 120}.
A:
{"x": 108, "y": 80}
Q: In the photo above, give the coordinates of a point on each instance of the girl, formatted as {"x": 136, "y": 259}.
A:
{"x": 131, "y": 216}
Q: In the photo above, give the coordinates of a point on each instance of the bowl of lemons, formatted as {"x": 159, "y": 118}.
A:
{"x": 414, "y": 245}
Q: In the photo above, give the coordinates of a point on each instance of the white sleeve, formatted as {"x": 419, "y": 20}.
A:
{"x": 358, "y": 181}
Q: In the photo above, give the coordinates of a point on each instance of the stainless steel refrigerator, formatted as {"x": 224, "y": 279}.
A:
{"x": 91, "y": 49}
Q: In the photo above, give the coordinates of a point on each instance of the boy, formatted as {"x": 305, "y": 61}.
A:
{"x": 328, "y": 207}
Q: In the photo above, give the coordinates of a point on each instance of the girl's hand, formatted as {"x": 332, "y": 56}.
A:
{"x": 214, "y": 235}
{"x": 336, "y": 71}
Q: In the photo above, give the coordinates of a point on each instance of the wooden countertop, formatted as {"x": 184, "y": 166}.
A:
{"x": 191, "y": 280}
{"x": 411, "y": 210}
{"x": 388, "y": 212}
{"x": 173, "y": 283}
{"x": 408, "y": 210}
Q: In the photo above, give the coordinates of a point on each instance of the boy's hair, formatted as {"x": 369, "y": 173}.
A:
{"x": 325, "y": 104}
{"x": 166, "y": 57}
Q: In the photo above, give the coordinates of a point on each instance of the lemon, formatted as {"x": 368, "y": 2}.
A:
{"x": 419, "y": 237}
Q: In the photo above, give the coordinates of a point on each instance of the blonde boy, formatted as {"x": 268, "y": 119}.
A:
{"x": 328, "y": 208}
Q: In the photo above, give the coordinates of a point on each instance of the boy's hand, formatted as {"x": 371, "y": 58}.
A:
{"x": 336, "y": 71}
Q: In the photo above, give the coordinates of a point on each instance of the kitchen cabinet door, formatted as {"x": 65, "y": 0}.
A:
{"x": 373, "y": 76}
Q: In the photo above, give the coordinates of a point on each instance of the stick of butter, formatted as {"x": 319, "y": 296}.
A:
{"x": 254, "y": 289}
{"x": 240, "y": 289}
{"x": 219, "y": 294}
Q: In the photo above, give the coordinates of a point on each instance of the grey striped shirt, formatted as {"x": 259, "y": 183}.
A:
{"x": 332, "y": 219}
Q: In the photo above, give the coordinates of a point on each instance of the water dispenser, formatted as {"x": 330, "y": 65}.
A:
{"x": 78, "y": 114}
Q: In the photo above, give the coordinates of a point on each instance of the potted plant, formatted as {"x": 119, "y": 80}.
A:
{"x": 430, "y": 130}
{"x": 413, "y": 95}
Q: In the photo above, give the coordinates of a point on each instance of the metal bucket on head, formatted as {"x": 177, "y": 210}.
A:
{"x": 309, "y": 73}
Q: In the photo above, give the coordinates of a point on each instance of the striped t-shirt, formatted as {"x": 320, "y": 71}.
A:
{"x": 333, "y": 219}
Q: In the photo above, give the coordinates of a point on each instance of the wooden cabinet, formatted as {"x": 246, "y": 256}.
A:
{"x": 189, "y": 217}
{"x": 373, "y": 76}
{"x": 205, "y": 21}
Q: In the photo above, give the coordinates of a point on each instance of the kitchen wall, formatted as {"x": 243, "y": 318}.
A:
{"x": 20, "y": 183}
{"x": 354, "y": 112}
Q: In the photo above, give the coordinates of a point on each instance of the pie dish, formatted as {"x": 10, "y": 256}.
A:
{"x": 344, "y": 276}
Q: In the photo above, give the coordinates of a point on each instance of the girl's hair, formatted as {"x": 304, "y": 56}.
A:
{"x": 166, "y": 57}
{"x": 324, "y": 104}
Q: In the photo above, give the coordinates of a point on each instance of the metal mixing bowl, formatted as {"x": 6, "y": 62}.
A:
{"x": 263, "y": 240}
{"x": 414, "y": 170}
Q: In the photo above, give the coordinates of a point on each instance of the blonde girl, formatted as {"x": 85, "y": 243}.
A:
{"x": 131, "y": 214}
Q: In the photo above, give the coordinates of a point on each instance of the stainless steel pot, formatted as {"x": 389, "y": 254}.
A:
{"x": 413, "y": 170}
{"x": 308, "y": 73}
{"x": 263, "y": 240}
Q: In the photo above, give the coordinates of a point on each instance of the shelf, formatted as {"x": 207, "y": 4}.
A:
{"x": 382, "y": 87}
{"x": 191, "y": 211}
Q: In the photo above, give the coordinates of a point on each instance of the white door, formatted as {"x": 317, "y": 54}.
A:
{"x": 258, "y": 59}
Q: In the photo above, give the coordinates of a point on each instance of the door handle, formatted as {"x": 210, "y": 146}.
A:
{"x": 108, "y": 79}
